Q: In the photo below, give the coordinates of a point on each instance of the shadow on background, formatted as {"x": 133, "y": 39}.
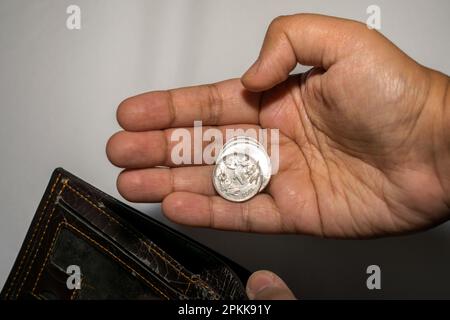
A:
{"x": 412, "y": 266}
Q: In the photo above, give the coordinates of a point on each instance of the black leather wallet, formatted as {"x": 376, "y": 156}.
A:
{"x": 84, "y": 244}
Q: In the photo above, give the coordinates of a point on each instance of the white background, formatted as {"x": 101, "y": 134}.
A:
{"x": 59, "y": 90}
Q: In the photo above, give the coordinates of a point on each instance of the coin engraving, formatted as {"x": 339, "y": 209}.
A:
{"x": 237, "y": 177}
{"x": 255, "y": 152}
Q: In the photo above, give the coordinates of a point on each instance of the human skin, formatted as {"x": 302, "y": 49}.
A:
{"x": 364, "y": 142}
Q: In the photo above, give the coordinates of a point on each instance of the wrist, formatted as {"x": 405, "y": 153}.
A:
{"x": 439, "y": 101}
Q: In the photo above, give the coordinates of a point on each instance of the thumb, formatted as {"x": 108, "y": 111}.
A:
{"x": 309, "y": 39}
{"x": 266, "y": 285}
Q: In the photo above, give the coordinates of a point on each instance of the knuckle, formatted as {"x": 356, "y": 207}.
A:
{"x": 278, "y": 24}
{"x": 212, "y": 221}
{"x": 214, "y": 108}
{"x": 167, "y": 144}
{"x": 245, "y": 216}
{"x": 172, "y": 109}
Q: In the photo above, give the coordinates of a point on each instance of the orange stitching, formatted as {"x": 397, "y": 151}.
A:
{"x": 58, "y": 229}
{"x": 124, "y": 227}
{"x": 36, "y": 296}
{"x": 57, "y": 232}
{"x": 40, "y": 242}
{"x": 149, "y": 246}
{"x": 32, "y": 236}
{"x": 199, "y": 281}
{"x": 116, "y": 258}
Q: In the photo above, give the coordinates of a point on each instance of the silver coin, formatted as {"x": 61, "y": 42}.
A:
{"x": 237, "y": 177}
{"x": 236, "y": 143}
{"x": 241, "y": 139}
{"x": 254, "y": 151}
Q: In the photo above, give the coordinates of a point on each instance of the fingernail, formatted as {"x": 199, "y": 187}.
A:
{"x": 258, "y": 283}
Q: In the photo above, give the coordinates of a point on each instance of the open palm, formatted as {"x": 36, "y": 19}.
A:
{"x": 355, "y": 132}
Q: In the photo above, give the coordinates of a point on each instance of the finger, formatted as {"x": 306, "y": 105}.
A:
{"x": 153, "y": 185}
{"x": 136, "y": 150}
{"x": 258, "y": 214}
{"x": 266, "y": 285}
{"x": 220, "y": 103}
{"x": 309, "y": 39}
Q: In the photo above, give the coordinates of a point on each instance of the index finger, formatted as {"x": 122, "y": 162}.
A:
{"x": 222, "y": 103}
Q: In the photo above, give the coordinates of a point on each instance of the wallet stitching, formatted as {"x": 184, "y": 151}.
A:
{"x": 58, "y": 230}
{"x": 115, "y": 258}
{"x": 84, "y": 197}
{"x": 76, "y": 230}
{"x": 196, "y": 281}
{"x": 42, "y": 214}
{"x": 39, "y": 243}
{"x": 36, "y": 296}
{"x": 32, "y": 236}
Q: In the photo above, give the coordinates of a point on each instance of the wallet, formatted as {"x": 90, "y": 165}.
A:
{"x": 84, "y": 244}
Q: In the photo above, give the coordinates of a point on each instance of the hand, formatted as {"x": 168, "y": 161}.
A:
{"x": 364, "y": 148}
